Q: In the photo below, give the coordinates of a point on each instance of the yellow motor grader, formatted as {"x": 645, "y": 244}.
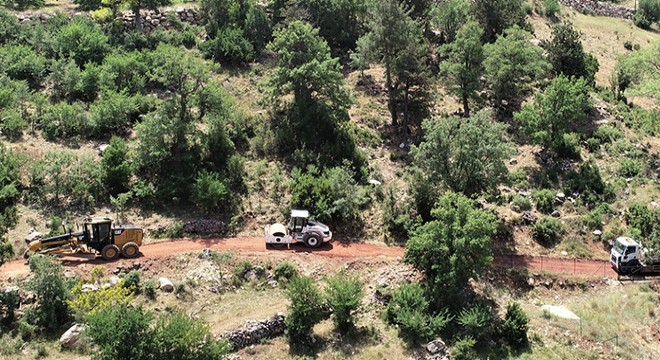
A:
{"x": 98, "y": 236}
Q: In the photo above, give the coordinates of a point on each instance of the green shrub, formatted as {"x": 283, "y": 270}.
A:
{"x": 179, "y": 337}
{"x": 229, "y": 46}
{"x": 305, "y": 310}
{"x": 112, "y": 112}
{"x": 9, "y": 345}
{"x": 547, "y": 230}
{"x": 116, "y": 166}
{"x": 12, "y": 124}
{"x": 210, "y": 191}
{"x": 463, "y": 349}
{"x": 10, "y": 27}
{"x": 81, "y": 40}
{"x": 86, "y": 303}
{"x": 343, "y": 295}
{"x": 9, "y": 302}
{"x": 130, "y": 324}
{"x": 521, "y": 202}
{"x": 642, "y": 219}
{"x": 551, "y": 7}
{"x": 21, "y": 62}
{"x": 64, "y": 121}
{"x": 588, "y": 182}
{"x": 88, "y": 4}
{"x": 642, "y": 120}
{"x": 409, "y": 310}
{"x": 515, "y": 326}
{"x": 149, "y": 289}
{"x": 648, "y": 12}
{"x": 126, "y": 71}
{"x": 24, "y": 4}
{"x": 52, "y": 290}
{"x": 629, "y": 168}
{"x": 285, "y": 271}
{"x": 476, "y": 321}
{"x": 544, "y": 200}
{"x": 608, "y": 134}
{"x": 132, "y": 280}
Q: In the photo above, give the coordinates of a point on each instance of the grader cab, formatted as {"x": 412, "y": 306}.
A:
{"x": 98, "y": 236}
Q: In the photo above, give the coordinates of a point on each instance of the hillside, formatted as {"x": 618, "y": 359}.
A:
{"x": 205, "y": 120}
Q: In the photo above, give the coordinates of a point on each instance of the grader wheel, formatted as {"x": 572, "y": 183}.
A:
{"x": 110, "y": 252}
{"x": 130, "y": 250}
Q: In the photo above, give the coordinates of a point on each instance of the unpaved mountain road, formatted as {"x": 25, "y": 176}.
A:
{"x": 158, "y": 250}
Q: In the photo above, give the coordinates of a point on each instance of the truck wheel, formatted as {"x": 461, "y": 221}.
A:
{"x": 130, "y": 250}
{"x": 110, "y": 252}
{"x": 313, "y": 241}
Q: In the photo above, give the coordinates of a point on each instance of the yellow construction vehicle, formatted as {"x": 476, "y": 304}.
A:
{"x": 98, "y": 236}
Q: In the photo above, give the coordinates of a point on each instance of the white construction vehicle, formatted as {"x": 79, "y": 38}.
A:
{"x": 299, "y": 230}
{"x": 629, "y": 258}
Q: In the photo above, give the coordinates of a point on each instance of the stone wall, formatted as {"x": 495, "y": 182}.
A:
{"x": 253, "y": 331}
{"x": 593, "y": 7}
{"x": 149, "y": 20}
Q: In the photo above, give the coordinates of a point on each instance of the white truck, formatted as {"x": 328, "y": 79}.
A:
{"x": 629, "y": 258}
{"x": 299, "y": 230}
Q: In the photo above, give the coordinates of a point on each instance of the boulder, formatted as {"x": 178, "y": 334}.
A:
{"x": 512, "y": 161}
{"x": 69, "y": 339}
{"x": 436, "y": 347}
{"x": 165, "y": 284}
{"x": 102, "y": 148}
{"x": 556, "y": 214}
{"x": 560, "y": 197}
{"x": 597, "y": 233}
{"x": 528, "y": 218}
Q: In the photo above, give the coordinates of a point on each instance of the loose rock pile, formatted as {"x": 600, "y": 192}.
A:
{"x": 599, "y": 8}
{"x": 204, "y": 227}
{"x": 254, "y": 331}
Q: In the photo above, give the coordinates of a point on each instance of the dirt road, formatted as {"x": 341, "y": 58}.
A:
{"x": 336, "y": 249}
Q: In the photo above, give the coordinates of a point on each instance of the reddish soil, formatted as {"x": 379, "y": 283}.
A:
{"x": 155, "y": 251}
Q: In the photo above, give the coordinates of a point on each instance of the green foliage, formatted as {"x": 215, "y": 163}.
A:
{"x": 588, "y": 182}
{"x": 112, "y": 112}
{"x": 12, "y": 124}
{"x": 409, "y": 310}
{"x": 397, "y": 218}
{"x": 460, "y": 235}
{"x": 126, "y": 71}
{"x": 330, "y": 195}
{"x": 648, "y": 12}
{"x": 463, "y": 349}
{"x": 515, "y": 326}
{"x": 635, "y": 73}
{"x": 179, "y": 337}
{"x": 521, "y": 202}
{"x": 81, "y": 40}
{"x": 21, "y": 62}
{"x": 132, "y": 281}
{"x": 9, "y": 302}
{"x": 210, "y": 191}
{"x": 340, "y": 22}
{"x": 496, "y": 16}
{"x": 116, "y": 166}
{"x": 466, "y": 155}
{"x": 258, "y": 28}
{"x": 343, "y": 295}
{"x": 549, "y": 119}
{"x": 149, "y": 289}
{"x": 547, "y": 230}
{"x": 544, "y": 200}
{"x": 643, "y": 121}
{"x": 85, "y": 304}
{"x": 629, "y": 168}
{"x": 512, "y": 65}
{"x": 121, "y": 332}
{"x": 52, "y": 290}
{"x": 24, "y": 4}
{"x": 396, "y": 40}
{"x": 463, "y": 67}
{"x": 646, "y": 221}
{"x": 450, "y": 16}
{"x": 305, "y": 310}
{"x": 285, "y": 271}
{"x": 88, "y": 4}
{"x": 551, "y": 8}
{"x": 9, "y": 27}
{"x": 567, "y": 56}
{"x": 476, "y": 322}
{"x": 230, "y": 46}
{"x": 64, "y": 121}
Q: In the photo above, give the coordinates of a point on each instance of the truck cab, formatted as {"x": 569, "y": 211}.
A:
{"x": 625, "y": 254}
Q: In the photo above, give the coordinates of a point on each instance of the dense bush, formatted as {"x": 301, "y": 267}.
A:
{"x": 88, "y": 4}
{"x": 463, "y": 349}
{"x": 285, "y": 271}
{"x": 330, "y": 195}
{"x": 87, "y": 303}
{"x": 9, "y": 302}
{"x": 113, "y": 112}
{"x": 567, "y": 56}
{"x": 81, "y": 40}
{"x": 24, "y": 4}
{"x": 210, "y": 191}
{"x": 126, "y": 71}
{"x": 551, "y": 7}
{"x": 116, "y": 166}
{"x": 127, "y": 323}
{"x": 521, "y": 202}
{"x": 409, "y": 310}
{"x": 230, "y": 46}
{"x": 132, "y": 281}
{"x": 305, "y": 310}
{"x": 21, "y": 62}
{"x": 544, "y": 200}
{"x": 547, "y": 230}
{"x": 52, "y": 290}
{"x": 180, "y": 337}
{"x": 63, "y": 121}
{"x": 12, "y": 124}
{"x": 648, "y": 12}
{"x": 477, "y": 322}
{"x": 343, "y": 295}
{"x": 515, "y": 325}
{"x": 588, "y": 182}
{"x": 9, "y": 27}
{"x": 629, "y": 168}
